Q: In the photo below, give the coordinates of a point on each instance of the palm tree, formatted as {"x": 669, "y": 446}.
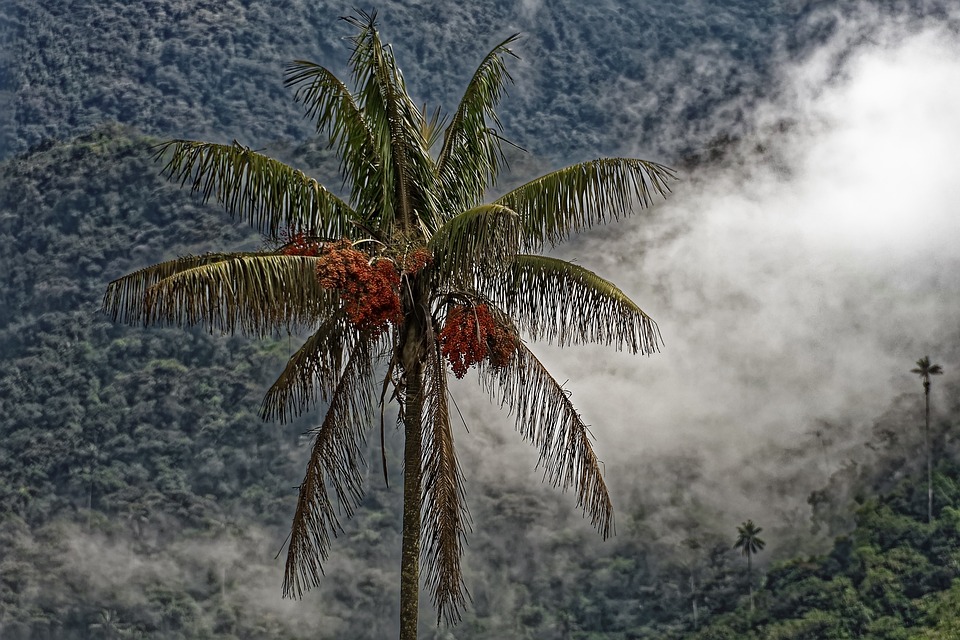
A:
{"x": 924, "y": 369}
{"x": 749, "y": 543}
{"x": 692, "y": 565}
{"x": 410, "y": 275}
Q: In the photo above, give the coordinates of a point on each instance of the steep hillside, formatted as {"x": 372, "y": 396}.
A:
{"x": 647, "y": 78}
{"x": 141, "y": 495}
{"x": 895, "y": 577}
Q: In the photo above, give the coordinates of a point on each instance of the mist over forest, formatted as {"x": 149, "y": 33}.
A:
{"x": 805, "y": 260}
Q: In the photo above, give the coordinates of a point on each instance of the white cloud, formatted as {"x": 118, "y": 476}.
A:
{"x": 791, "y": 286}
{"x": 529, "y": 8}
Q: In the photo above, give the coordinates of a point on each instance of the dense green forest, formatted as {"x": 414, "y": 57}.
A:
{"x": 894, "y": 577}
{"x": 212, "y": 70}
{"x": 141, "y": 496}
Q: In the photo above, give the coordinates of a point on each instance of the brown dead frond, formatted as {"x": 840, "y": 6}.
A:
{"x": 445, "y": 517}
{"x": 333, "y": 471}
{"x": 547, "y": 418}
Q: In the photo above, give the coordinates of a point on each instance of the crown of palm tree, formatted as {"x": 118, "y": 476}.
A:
{"x": 924, "y": 369}
{"x": 748, "y": 539}
{"x": 411, "y": 190}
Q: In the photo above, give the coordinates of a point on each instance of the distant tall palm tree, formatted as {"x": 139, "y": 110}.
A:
{"x": 749, "y": 543}
{"x": 924, "y": 369}
{"x": 409, "y": 276}
{"x": 820, "y": 434}
{"x": 693, "y": 570}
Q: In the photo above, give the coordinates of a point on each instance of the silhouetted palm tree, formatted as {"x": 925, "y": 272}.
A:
{"x": 924, "y": 369}
{"x": 749, "y": 543}
{"x": 408, "y": 276}
{"x": 692, "y": 566}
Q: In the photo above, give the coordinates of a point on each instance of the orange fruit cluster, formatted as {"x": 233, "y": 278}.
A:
{"x": 369, "y": 292}
{"x": 298, "y": 245}
{"x": 415, "y": 261}
{"x": 470, "y": 334}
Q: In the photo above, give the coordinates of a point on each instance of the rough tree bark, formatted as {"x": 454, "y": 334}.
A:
{"x": 412, "y": 486}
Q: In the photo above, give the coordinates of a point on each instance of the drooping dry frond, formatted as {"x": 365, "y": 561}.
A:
{"x": 267, "y": 193}
{"x": 471, "y": 155}
{"x": 583, "y": 195}
{"x": 558, "y": 301}
{"x": 475, "y": 243}
{"x": 547, "y": 418}
{"x": 332, "y": 484}
{"x": 444, "y": 516}
{"x": 256, "y": 294}
{"x": 312, "y": 372}
{"x": 330, "y": 103}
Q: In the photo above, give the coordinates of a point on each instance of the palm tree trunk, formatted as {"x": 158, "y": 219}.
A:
{"x": 412, "y": 481}
{"x": 693, "y": 593}
{"x": 750, "y": 580}
{"x": 926, "y": 438}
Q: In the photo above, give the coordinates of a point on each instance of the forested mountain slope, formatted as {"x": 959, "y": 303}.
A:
{"x": 895, "y": 577}
{"x": 141, "y": 496}
{"x": 593, "y": 77}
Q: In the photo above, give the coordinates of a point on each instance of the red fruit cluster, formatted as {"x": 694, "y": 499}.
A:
{"x": 415, "y": 261}
{"x": 298, "y": 245}
{"x": 470, "y": 335}
{"x": 369, "y": 292}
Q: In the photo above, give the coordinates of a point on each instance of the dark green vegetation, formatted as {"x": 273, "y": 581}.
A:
{"x": 205, "y": 69}
{"x": 124, "y": 513}
{"x": 895, "y": 577}
{"x": 139, "y": 492}
{"x": 112, "y": 440}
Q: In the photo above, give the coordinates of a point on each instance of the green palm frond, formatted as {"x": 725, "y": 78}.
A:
{"x": 546, "y": 417}
{"x": 312, "y": 372}
{"x": 333, "y": 107}
{"x": 475, "y": 243}
{"x": 924, "y": 369}
{"x": 445, "y": 517}
{"x": 558, "y": 301}
{"x": 433, "y": 127}
{"x": 256, "y": 294}
{"x": 748, "y": 539}
{"x": 397, "y": 125}
{"x": 270, "y": 195}
{"x": 124, "y": 297}
{"x": 583, "y": 195}
{"x": 332, "y": 483}
{"x": 471, "y": 155}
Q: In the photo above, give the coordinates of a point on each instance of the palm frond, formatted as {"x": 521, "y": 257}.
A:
{"x": 124, "y": 297}
{"x": 333, "y": 471}
{"x": 433, "y": 126}
{"x": 471, "y": 155}
{"x": 328, "y": 101}
{"x": 312, "y": 372}
{"x": 256, "y": 294}
{"x": 268, "y": 194}
{"x": 397, "y": 124}
{"x": 445, "y": 516}
{"x": 474, "y": 243}
{"x": 583, "y": 195}
{"x": 547, "y": 418}
{"x": 558, "y": 301}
